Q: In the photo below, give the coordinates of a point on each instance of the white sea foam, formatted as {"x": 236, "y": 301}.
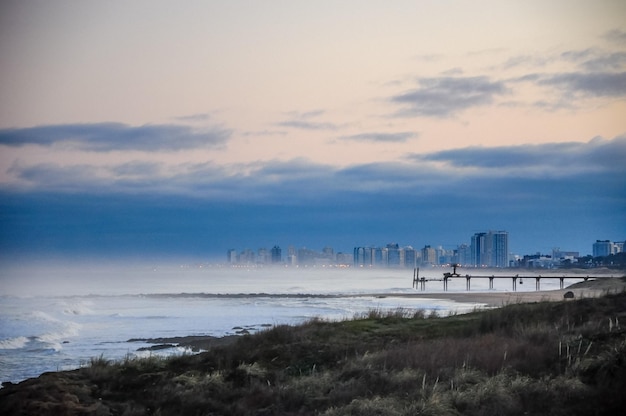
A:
{"x": 67, "y": 330}
{"x": 40, "y": 316}
{"x": 13, "y": 343}
{"x": 77, "y": 308}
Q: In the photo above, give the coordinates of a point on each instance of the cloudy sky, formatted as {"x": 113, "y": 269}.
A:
{"x": 159, "y": 128}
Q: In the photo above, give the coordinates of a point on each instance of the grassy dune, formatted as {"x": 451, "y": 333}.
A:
{"x": 552, "y": 358}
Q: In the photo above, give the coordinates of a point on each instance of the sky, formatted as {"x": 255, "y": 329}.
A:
{"x": 167, "y": 129}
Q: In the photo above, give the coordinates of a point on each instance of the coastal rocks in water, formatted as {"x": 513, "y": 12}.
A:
{"x": 250, "y": 329}
{"x": 157, "y": 347}
{"x": 194, "y": 343}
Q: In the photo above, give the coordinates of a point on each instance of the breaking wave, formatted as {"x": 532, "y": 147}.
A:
{"x": 13, "y": 343}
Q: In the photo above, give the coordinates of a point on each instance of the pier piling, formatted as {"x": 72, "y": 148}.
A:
{"x": 514, "y": 279}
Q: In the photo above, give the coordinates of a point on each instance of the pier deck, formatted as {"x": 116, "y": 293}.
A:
{"x": 421, "y": 281}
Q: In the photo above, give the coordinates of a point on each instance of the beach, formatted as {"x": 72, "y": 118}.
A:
{"x": 60, "y": 318}
{"x": 592, "y": 288}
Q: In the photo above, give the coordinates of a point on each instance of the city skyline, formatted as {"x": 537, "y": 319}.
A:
{"x": 486, "y": 249}
{"x": 156, "y": 130}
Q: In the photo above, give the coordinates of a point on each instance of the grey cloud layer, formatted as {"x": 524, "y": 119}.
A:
{"x": 595, "y": 73}
{"x": 196, "y": 208}
{"x": 49, "y": 176}
{"x": 446, "y": 96}
{"x": 194, "y": 117}
{"x": 104, "y": 137}
{"x": 616, "y": 35}
{"x": 400, "y": 137}
{"x": 593, "y": 59}
{"x": 599, "y": 84}
{"x": 139, "y": 169}
{"x": 598, "y": 154}
{"x": 305, "y": 121}
{"x": 308, "y": 125}
{"x": 598, "y": 73}
{"x": 301, "y": 179}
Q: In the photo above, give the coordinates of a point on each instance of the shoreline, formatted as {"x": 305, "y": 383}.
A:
{"x": 498, "y": 299}
{"x": 586, "y": 289}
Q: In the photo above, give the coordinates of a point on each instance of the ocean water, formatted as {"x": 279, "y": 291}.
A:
{"x": 59, "y": 317}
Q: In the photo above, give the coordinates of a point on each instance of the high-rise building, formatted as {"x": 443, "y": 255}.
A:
{"x": 394, "y": 257}
{"x": 477, "y": 249}
{"x": 329, "y": 253}
{"x": 603, "y": 248}
{"x": 490, "y": 249}
{"x": 464, "y": 255}
{"x": 276, "y": 255}
{"x": 263, "y": 256}
{"x": 444, "y": 256}
{"x": 410, "y": 257}
{"x": 308, "y": 257}
{"x": 429, "y": 255}
{"x": 246, "y": 257}
{"x": 499, "y": 255}
{"x": 359, "y": 257}
{"x": 379, "y": 257}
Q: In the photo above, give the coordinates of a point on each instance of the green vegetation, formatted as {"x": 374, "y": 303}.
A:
{"x": 556, "y": 358}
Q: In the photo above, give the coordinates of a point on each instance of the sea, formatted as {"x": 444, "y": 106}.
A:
{"x": 57, "y": 317}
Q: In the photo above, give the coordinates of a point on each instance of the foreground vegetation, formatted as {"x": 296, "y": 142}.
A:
{"x": 556, "y": 358}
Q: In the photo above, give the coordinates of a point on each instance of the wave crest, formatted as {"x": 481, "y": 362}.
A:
{"x": 13, "y": 343}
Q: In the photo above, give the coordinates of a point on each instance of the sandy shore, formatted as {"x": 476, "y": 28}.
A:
{"x": 588, "y": 289}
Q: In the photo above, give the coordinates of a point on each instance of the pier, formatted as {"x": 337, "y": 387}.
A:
{"x": 421, "y": 281}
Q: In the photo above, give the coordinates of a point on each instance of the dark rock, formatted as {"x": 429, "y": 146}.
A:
{"x": 157, "y": 347}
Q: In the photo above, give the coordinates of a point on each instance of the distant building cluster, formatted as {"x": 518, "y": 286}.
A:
{"x": 557, "y": 259}
{"x": 486, "y": 249}
{"x": 293, "y": 257}
{"x": 601, "y": 250}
